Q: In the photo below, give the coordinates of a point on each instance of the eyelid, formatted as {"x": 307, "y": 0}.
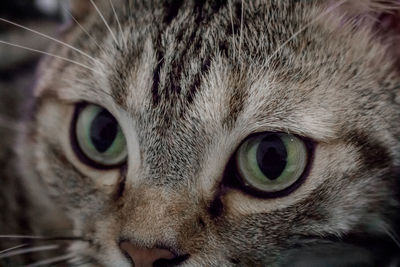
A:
{"x": 232, "y": 179}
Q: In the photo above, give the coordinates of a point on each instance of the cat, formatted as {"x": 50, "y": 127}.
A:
{"x": 211, "y": 133}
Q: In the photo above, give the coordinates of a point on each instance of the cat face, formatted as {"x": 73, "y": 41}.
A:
{"x": 220, "y": 133}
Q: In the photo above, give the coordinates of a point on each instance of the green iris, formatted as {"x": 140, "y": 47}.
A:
{"x": 271, "y": 162}
{"x": 100, "y": 137}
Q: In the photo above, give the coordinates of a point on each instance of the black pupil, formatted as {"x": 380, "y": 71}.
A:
{"x": 103, "y": 131}
{"x": 271, "y": 156}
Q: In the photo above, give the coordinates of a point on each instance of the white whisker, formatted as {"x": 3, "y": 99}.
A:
{"x": 83, "y": 29}
{"x": 241, "y": 28}
{"x": 45, "y": 238}
{"x": 52, "y": 39}
{"x": 51, "y": 260}
{"x": 29, "y": 250}
{"x": 13, "y": 248}
{"x": 52, "y": 55}
{"x": 104, "y": 20}
{"x": 233, "y": 28}
{"x": 22, "y": 236}
{"x": 118, "y": 21}
{"x": 392, "y": 235}
{"x": 241, "y": 37}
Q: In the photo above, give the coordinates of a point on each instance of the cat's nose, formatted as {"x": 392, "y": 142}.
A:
{"x": 143, "y": 257}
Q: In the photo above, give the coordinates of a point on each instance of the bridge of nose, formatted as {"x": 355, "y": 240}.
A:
{"x": 151, "y": 213}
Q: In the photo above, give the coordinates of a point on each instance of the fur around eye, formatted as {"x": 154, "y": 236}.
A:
{"x": 271, "y": 164}
{"x": 180, "y": 165}
{"x": 97, "y": 138}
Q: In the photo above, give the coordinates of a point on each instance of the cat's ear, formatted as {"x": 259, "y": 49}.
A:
{"x": 367, "y": 7}
{"x": 80, "y": 8}
{"x": 383, "y": 15}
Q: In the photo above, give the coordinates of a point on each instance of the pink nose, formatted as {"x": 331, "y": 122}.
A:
{"x": 143, "y": 257}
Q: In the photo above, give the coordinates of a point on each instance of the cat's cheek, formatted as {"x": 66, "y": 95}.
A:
{"x": 54, "y": 150}
{"x": 105, "y": 246}
{"x": 329, "y": 160}
{"x": 104, "y": 180}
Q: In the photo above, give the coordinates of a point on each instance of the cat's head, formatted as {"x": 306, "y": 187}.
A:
{"x": 222, "y": 133}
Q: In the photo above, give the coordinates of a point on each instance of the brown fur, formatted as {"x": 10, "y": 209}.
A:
{"x": 188, "y": 84}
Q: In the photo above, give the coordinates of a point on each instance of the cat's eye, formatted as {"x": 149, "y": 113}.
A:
{"x": 271, "y": 162}
{"x": 98, "y": 137}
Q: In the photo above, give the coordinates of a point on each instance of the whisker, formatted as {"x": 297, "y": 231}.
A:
{"x": 13, "y": 248}
{"x": 58, "y": 259}
{"x": 130, "y": 13}
{"x": 104, "y": 20}
{"x": 83, "y": 29}
{"x": 29, "y": 250}
{"x": 233, "y": 28}
{"x": 52, "y": 39}
{"x": 53, "y": 55}
{"x": 22, "y": 236}
{"x": 118, "y": 21}
{"x": 241, "y": 28}
{"x": 44, "y": 238}
{"x": 392, "y": 235}
{"x": 241, "y": 37}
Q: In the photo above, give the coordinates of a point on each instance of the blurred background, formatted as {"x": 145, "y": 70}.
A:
{"x": 17, "y": 66}
{"x": 17, "y": 78}
{"x": 17, "y": 75}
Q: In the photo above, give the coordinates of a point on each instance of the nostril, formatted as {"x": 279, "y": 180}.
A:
{"x": 170, "y": 263}
{"x": 144, "y": 257}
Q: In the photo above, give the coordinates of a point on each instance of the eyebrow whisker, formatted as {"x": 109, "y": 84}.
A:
{"x": 118, "y": 21}
{"x": 241, "y": 36}
{"x": 52, "y": 55}
{"x": 83, "y": 29}
{"x": 52, "y": 39}
{"x": 105, "y": 22}
{"x": 233, "y": 27}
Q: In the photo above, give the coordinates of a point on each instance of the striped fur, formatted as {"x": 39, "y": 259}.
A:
{"x": 188, "y": 81}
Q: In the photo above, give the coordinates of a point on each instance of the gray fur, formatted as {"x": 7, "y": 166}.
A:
{"x": 187, "y": 90}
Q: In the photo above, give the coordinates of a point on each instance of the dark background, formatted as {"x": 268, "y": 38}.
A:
{"x": 17, "y": 66}
{"x": 17, "y": 79}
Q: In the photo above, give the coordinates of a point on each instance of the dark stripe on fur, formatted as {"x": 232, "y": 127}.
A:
{"x": 119, "y": 86}
{"x": 121, "y": 183}
{"x": 171, "y": 10}
{"x": 373, "y": 153}
{"x": 236, "y": 104}
{"x": 193, "y": 39}
{"x": 197, "y": 80}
